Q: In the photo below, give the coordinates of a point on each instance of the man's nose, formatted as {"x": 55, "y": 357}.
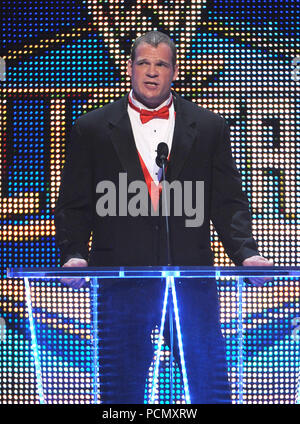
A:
{"x": 152, "y": 71}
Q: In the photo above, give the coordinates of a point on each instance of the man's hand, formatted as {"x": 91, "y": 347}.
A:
{"x": 75, "y": 283}
{"x": 258, "y": 261}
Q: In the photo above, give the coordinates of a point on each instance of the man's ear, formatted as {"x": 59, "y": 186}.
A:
{"x": 129, "y": 67}
{"x": 176, "y": 71}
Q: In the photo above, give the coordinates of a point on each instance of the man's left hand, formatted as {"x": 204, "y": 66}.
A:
{"x": 258, "y": 261}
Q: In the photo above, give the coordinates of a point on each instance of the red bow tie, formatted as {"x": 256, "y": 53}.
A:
{"x": 147, "y": 115}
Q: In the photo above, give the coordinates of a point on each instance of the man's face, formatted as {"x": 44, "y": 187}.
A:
{"x": 152, "y": 73}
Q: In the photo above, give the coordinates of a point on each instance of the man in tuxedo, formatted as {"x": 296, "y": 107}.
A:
{"x": 122, "y": 137}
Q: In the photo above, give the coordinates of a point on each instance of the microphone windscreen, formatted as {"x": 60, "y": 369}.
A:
{"x": 162, "y": 150}
{"x": 162, "y": 154}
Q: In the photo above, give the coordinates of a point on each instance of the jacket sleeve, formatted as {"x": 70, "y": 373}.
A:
{"x": 74, "y": 210}
{"x": 230, "y": 208}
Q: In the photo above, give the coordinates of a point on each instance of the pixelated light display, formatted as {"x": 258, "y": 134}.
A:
{"x": 64, "y": 59}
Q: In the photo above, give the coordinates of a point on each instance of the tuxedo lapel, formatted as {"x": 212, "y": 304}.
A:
{"x": 184, "y": 136}
{"x": 123, "y": 140}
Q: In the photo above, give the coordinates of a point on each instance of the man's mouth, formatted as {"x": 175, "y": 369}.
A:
{"x": 151, "y": 84}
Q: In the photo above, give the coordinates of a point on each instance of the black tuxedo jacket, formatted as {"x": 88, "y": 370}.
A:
{"x": 102, "y": 145}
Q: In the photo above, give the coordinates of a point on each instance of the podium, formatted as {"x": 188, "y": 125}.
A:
{"x": 95, "y": 277}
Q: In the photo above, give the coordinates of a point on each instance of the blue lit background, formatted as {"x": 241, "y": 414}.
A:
{"x": 63, "y": 60}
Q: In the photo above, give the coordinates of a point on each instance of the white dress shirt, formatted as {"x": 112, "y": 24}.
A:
{"x": 147, "y": 136}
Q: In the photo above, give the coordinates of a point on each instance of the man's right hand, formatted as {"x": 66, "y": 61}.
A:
{"x": 75, "y": 283}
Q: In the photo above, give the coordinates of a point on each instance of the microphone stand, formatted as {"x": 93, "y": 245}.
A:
{"x": 169, "y": 260}
{"x": 163, "y": 161}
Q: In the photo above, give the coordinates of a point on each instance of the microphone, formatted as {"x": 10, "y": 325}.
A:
{"x": 162, "y": 155}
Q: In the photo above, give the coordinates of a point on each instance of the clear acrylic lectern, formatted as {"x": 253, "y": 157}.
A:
{"x": 96, "y": 277}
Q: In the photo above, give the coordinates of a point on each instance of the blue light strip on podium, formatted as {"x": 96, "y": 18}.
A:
{"x": 180, "y": 345}
{"x": 155, "y": 272}
{"x": 94, "y": 309}
{"x": 34, "y": 344}
{"x": 240, "y": 329}
{"x": 159, "y": 346}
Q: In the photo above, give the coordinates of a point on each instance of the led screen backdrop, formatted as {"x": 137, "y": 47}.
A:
{"x": 64, "y": 58}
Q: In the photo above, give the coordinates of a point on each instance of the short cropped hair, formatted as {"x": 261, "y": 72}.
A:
{"x": 154, "y": 38}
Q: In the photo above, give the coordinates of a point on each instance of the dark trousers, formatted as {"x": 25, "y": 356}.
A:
{"x": 128, "y": 312}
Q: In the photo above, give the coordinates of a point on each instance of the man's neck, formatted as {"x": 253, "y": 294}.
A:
{"x": 141, "y": 105}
